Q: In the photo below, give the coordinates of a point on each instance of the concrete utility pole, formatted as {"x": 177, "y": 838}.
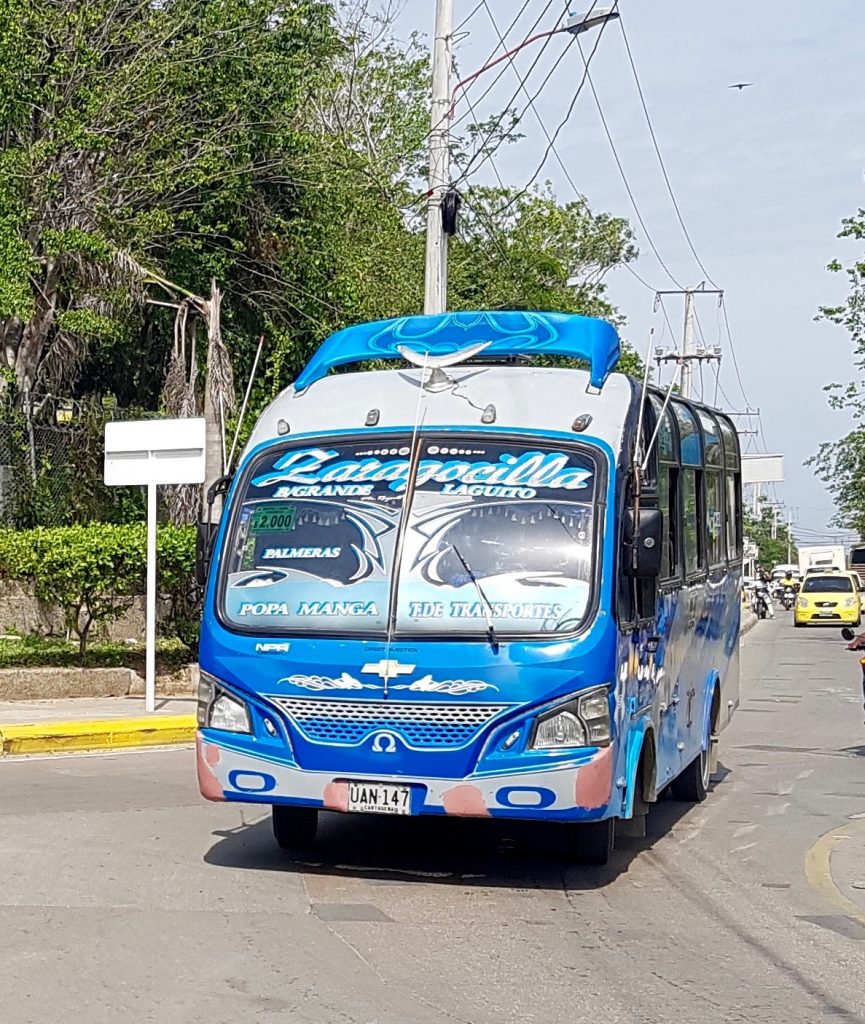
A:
{"x": 690, "y": 352}
{"x": 435, "y": 289}
{"x": 789, "y": 534}
{"x": 688, "y": 345}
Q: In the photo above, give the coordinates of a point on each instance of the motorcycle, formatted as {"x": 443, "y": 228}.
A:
{"x": 761, "y": 600}
{"x": 788, "y": 598}
{"x": 856, "y": 643}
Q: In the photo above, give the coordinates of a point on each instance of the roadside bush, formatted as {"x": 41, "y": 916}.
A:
{"x": 55, "y": 652}
{"x": 93, "y": 572}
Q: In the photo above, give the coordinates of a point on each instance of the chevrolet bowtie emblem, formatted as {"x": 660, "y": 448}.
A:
{"x": 387, "y": 669}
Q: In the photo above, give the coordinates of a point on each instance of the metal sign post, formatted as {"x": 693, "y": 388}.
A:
{"x": 149, "y": 453}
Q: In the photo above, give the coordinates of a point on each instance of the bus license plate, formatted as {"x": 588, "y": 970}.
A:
{"x": 379, "y": 798}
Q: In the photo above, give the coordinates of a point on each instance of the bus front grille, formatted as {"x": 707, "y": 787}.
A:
{"x": 423, "y": 726}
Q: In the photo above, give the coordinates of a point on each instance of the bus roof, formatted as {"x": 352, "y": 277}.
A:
{"x": 497, "y": 332}
{"x": 460, "y": 378}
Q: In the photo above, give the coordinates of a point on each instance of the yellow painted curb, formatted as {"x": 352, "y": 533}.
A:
{"x": 818, "y": 868}
{"x": 102, "y": 734}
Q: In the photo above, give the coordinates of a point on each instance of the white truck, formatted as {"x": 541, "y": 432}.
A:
{"x": 825, "y": 557}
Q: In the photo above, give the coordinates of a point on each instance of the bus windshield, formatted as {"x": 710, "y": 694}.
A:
{"x": 497, "y": 532}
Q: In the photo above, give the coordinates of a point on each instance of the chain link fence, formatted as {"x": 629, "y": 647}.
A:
{"x": 51, "y": 474}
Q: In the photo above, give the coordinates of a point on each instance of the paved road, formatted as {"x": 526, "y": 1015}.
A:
{"x": 126, "y": 898}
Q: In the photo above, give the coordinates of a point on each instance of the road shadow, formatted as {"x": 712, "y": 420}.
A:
{"x": 442, "y": 850}
{"x": 854, "y": 751}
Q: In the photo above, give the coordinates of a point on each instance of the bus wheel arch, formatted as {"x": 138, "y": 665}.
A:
{"x": 692, "y": 784}
{"x": 642, "y": 775}
{"x": 713, "y": 724}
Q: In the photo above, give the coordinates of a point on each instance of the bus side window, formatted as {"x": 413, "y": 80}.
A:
{"x": 715, "y": 516}
{"x": 691, "y": 521}
{"x": 733, "y": 481}
{"x": 734, "y": 516}
{"x": 668, "y": 503}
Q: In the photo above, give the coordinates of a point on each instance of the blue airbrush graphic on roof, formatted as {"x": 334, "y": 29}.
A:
{"x": 502, "y": 333}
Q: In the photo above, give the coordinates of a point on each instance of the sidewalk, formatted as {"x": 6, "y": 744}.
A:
{"x": 60, "y": 726}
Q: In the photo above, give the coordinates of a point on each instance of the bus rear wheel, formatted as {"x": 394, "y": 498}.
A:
{"x": 692, "y": 785}
{"x": 294, "y": 828}
{"x": 592, "y": 842}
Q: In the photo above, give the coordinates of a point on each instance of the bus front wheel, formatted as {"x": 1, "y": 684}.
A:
{"x": 592, "y": 842}
{"x": 294, "y": 828}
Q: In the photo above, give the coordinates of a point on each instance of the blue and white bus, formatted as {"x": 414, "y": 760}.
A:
{"x": 473, "y": 585}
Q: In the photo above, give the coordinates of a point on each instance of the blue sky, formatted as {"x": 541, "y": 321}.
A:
{"x": 763, "y": 178}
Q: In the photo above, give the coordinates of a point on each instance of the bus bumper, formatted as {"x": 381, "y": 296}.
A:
{"x": 580, "y": 789}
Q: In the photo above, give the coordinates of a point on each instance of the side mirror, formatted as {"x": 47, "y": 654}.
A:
{"x": 205, "y": 536}
{"x": 643, "y": 536}
{"x": 206, "y": 531}
{"x": 848, "y": 633}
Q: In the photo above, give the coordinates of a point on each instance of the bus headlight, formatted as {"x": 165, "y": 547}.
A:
{"x": 218, "y": 709}
{"x": 583, "y": 722}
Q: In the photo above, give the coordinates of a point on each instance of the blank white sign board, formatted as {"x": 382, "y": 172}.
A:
{"x": 762, "y": 469}
{"x": 152, "y": 452}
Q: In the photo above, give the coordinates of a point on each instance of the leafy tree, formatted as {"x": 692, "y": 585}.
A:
{"x": 141, "y": 133}
{"x": 841, "y": 464}
{"x": 771, "y": 550}
{"x": 278, "y": 149}
{"x": 93, "y": 572}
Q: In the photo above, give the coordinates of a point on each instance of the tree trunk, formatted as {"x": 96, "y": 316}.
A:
{"x": 215, "y": 400}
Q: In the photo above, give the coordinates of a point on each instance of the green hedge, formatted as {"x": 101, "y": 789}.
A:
{"x": 55, "y": 652}
{"x": 93, "y": 572}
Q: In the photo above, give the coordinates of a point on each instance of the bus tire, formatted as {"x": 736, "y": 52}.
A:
{"x": 294, "y": 828}
{"x": 592, "y": 841}
{"x": 691, "y": 786}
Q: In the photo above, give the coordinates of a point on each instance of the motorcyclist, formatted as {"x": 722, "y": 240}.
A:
{"x": 762, "y": 587}
{"x": 789, "y": 580}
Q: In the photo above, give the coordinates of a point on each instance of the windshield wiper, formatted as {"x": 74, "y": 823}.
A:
{"x": 561, "y": 523}
{"x": 485, "y": 604}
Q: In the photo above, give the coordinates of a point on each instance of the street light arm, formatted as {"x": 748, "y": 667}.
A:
{"x": 504, "y": 56}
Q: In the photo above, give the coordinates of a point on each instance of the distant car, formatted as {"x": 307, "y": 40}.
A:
{"x": 828, "y": 598}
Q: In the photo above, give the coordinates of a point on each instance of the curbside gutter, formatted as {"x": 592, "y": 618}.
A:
{"x": 107, "y": 734}
{"x": 749, "y": 620}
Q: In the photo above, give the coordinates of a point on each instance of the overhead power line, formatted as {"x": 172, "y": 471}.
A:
{"x": 470, "y": 15}
{"x": 553, "y": 148}
{"x": 552, "y": 141}
{"x": 681, "y": 220}
{"x": 498, "y": 76}
{"x": 634, "y": 206}
{"x": 661, "y": 162}
{"x": 481, "y": 149}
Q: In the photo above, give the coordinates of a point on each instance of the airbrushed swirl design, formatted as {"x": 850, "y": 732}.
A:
{"x": 503, "y": 332}
{"x": 426, "y": 684}
{"x": 442, "y": 334}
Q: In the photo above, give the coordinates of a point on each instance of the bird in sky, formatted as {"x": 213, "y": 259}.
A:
{"x": 740, "y": 85}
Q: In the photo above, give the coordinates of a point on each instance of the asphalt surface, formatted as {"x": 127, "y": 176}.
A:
{"x": 127, "y": 898}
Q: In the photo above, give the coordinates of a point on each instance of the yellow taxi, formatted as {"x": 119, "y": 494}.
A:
{"x": 828, "y": 599}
